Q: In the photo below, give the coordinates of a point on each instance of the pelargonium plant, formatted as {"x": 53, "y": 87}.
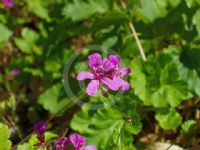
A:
{"x": 78, "y": 141}
{"x": 104, "y": 71}
{"x": 7, "y": 3}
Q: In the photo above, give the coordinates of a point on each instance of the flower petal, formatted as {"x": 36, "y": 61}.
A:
{"x": 61, "y": 143}
{"x": 85, "y": 75}
{"x": 15, "y": 72}
{"x": 77, "y": 140}
{"x": 8, "y": 3}
{"x": 40, "y": 128}
{"x": 110, "y": 83}
{"x": 115, "y": 59}
{"x": 93, "y": 87}
{"x": 107, "y": 65}
{"x": 124, "y": 85}
{"x": 125, "y": 71}
{"x": 94, "y": 61}
{"x": 90, "y": 147}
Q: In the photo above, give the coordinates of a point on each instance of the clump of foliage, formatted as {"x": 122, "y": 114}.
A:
{"x": 39, "y": 40}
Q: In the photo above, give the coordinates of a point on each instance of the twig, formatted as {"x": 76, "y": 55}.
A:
{"x": 13, "y": 110}
{"x": 134, "y": 33}
{"x": 137, "y": 41}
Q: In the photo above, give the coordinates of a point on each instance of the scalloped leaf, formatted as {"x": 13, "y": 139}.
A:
{"x": 109, "y": 121}
{"x": 5, "y": 143}
{"x": 52, "y": 99}
{"x": 156, "y": 85}
{"x": 82, "y": 7}
{"x": 170, "y": 120}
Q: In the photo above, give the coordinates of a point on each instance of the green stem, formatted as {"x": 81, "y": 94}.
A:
{"x": 13, "y": 109}
{"x": 120, "y": 134}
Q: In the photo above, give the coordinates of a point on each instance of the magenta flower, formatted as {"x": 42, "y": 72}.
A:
{"x": 39, "y": 129}
{"x": 7, "y": 3}
{"x": 15, "y": 72}
{"x": 99, "y": 69}
{"x": 79, "y": 142}
{"x": 106, "y": 71}
{"x": 61, "y": 144}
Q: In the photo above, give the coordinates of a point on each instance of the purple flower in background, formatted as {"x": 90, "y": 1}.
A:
{"x": 61, "y": 144}
{"x": 100, "y": 68}
{"x": 106, "y": 71}
{"x": 7, "y": 3}
{"x": 39, "y": 129}
{"x": 15, "y": 72}
{"x": 79, "y": 142}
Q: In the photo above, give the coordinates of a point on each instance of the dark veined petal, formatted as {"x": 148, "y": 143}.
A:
{"x": 115, "y": 59}
{"x": 85, "y": 75}
{"x": 95, "y": 61}
{"x": 107, "y": 65}
{"x": 61, "y": 144}
{"x": 77, "y": 140}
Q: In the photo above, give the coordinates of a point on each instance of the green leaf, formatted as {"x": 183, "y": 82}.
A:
{"x": 54, "y": 66}
{"x": 27, "y": 43}
{"x": 39, "y": 8}
{"x": 49, "y": 136}
{"x": 191, "y": 3}
{"x": 193, "y": 80}
{"x": 149, "y": 11}
{"x": 109, "y": 121}
{"x": 82, "y": 7}
{"x": 190, "y": 57}
{"x": 53, "y": 98}
{"x": 196, "y": 21}
{"x": 25, "y": 146}
{"x": 5, "y": 33}
{"x": 170, "y": 120}
{"x": 112, "y": 18}
{"x": 33, "y": 71}
{"x": 4, "y": 137}
{"x": 30, "y": 35}
{"x": 154, "y": 83}
{"x": 152, "y": 10}
{"x": 186, "y": 126}
{"x": 23, "y": 45}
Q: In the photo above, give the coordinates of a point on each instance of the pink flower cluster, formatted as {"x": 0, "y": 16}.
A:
{"x": 106, "y": 71}
{"x": 7, "y": 3}
{"x": 78, "y": 141}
